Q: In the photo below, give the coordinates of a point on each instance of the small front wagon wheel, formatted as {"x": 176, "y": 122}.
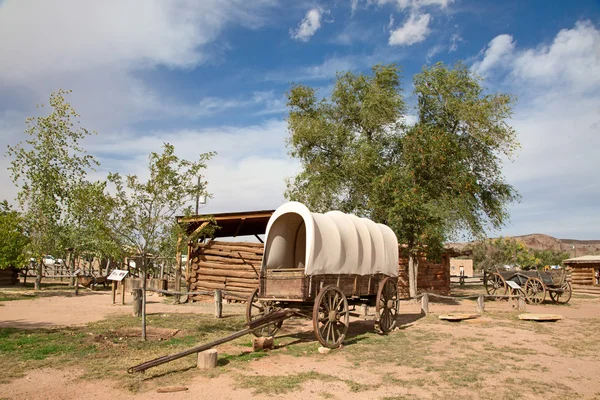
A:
{"x": 387, "y": 305}
{"x": 331, "y": 317}
{"x": 255, "y": 309}
{"x": 563, "y": 294}
{"x": 535, "y": 291}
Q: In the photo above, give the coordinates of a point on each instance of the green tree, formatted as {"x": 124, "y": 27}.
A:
{"x": 46, "y": 168}
{"x": 141, "y": 213}
{"x": 13, "y": 238}
{"x": 427, "y": 182}
{"x": 489, "y": 254}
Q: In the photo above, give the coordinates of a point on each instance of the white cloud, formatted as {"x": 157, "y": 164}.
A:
{"x": 43, "y": 38}
{"x": 557, "y": 119}
{"x": 97, "y": 49}
{"x": 432, "y": 52}
{"x": 415, "y": 30}
{"x": 247, "y": 174}
{"x": 416, "y": 4}
{"x": 572, "y": 58}
{"x": 309, "y": 25}
{"x": 496, "y": 53}
{"x": 455, "y": 39}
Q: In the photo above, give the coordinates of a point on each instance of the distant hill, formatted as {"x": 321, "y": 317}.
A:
{"x": 538, "y": 241}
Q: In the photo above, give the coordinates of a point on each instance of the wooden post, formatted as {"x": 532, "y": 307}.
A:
{"x": 364, "y": 310}
{"x": 521, "y": 303}
{"x": 122, "y": 285}
{"x": 178, "y": 270}
{"x": 76, "y": 286}
{"x": 114, "y": 291}
{"x": 425, "y": 304}
{"x": 218, "y": 304}
{"x": 480, "y": 304}
{"x": 137, "y": 302}
{"x": 207, "y": 359}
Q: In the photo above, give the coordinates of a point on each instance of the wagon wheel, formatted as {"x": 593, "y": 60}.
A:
{"x": 331, "y": 317}
{"x": 387, "y": 305}
{"x": 535, "y": 291}
{"x": 562, "y": 295}
{"x": 255, "y": 309}
{"x": 495, "y": 285}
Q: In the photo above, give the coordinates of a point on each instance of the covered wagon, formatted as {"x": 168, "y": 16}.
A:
{"x": 323, "y": 264}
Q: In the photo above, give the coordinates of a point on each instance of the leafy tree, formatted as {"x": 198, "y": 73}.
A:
{"x": 85, "y": 229}
{"x": 489, "y": 254}
{"x": 46, "y": 168}
{"x": 141, "y": 213}
{"x": 13, "y": 238}
{"x": 342, "y": 143}
{"x": 427, "y": 182}
{"x": 550, "y": 257}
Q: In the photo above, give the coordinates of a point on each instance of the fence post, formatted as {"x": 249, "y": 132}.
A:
{"x": 521, "y": 303}
{"x": 114, "y": 291}
{"x": 218, "y": 304}
{"x": 425, "y": 304}
{"x": 480, "y": 304}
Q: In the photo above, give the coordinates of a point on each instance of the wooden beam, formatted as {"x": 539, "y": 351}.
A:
{"x": 237, "y": 230}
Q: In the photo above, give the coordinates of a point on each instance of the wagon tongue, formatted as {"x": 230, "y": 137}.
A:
{"x": 269, "y": 319}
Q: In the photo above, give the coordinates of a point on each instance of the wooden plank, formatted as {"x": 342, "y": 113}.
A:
{"x": 235, "y": 274}
{"x": 236, "y": 267}
{"x": 228, "y": 253}
{"x": 225, "y": 260}
{"x": 540, "y": 317}
{"x": 458, "y": 317}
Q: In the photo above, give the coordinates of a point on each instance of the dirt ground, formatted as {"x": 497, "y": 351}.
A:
{"x": 495, "y": 356}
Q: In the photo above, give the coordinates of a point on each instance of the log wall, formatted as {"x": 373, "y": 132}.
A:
{"x": 583, "y": 274}
{"x": 234, "y": 267}
{"x": 432, "y": 277}
{"x": 230, "y": 266}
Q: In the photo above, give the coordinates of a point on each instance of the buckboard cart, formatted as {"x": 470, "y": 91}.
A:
{"x": 317, "y": 266}
{"x": 534, "y": 285}
{"x": 321, "y": 265}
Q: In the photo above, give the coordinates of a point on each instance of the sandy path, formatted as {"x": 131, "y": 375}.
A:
{"x": 69, "y": 310}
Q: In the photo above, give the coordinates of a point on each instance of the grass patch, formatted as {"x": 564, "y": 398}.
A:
{"x": 281, "y": 384}
{"x": 12, "y": 296}
{"x": 105, "y": 349}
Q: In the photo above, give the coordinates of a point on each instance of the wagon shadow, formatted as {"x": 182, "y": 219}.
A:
{"x": 357, "y": 331}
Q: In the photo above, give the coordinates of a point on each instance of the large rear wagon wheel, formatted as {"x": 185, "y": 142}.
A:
{"x": 563, "y": 294}
{"x": 331, "y": 317}
{"x": 535, "y": 291}
{"x": 495, "y": 285}
{"x": 255, "y": 309}
{"x": 387, "y": 305}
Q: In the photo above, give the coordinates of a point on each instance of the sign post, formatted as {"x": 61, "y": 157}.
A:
{"x": 115, "y": 276}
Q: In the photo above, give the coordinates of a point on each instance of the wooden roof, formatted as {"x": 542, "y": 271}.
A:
{"x": 583, "y": 260}
{"x": 231, "y": 224}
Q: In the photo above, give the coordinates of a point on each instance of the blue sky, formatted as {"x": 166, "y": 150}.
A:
{"x": 210, "y": 75}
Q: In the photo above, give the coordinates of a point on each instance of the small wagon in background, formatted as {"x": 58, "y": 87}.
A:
{"x": 321, "y": 265}
{"x": 534, "y": 284}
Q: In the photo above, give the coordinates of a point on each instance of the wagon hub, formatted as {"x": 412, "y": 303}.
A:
{"x": 391, "y": 304}
{"x": 333, "y": 316}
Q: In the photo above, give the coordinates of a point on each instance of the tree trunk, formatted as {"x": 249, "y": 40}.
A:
{"x": 71, "y": 267}
{"x": 178, "y": 270}
{"x": 144, "y": 278}
{"x": 38, "y": 276}
{"x": 413, "y": 268}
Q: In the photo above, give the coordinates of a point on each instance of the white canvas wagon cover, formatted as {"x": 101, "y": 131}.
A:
{"x": 330, "y": 243}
